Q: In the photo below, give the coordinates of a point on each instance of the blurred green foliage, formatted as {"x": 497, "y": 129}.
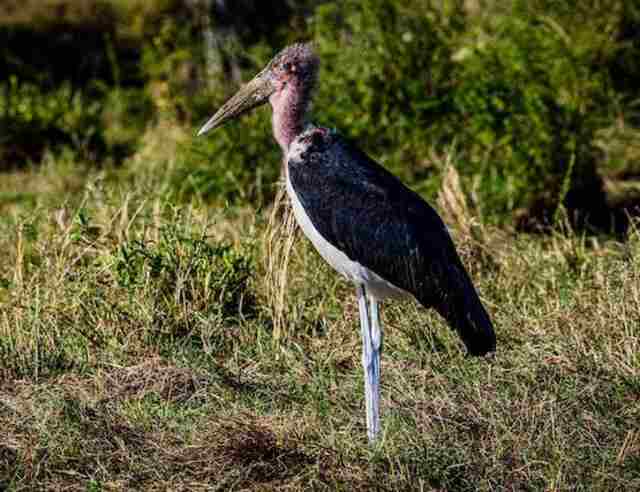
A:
{"x": 30, "y": 116}
{"x": 525, "y": 94}
{"x": 103, "y": 122}
{"x": 385, "y": 77}
{"x": 238, "y": 165}
{"x": 70, "y": 77}
{"x": 515, "y": 93}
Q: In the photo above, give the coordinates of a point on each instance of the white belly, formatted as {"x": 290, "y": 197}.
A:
{"x": 352, "y": 270}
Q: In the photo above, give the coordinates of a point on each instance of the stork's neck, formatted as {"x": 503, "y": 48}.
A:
{"x": 290, "y": 106}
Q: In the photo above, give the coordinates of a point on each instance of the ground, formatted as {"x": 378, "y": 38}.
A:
{"x": 154, "y": 345}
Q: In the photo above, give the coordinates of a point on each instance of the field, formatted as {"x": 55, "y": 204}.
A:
{"x": 165, "y": 326}
{"x": 154, "y": 346}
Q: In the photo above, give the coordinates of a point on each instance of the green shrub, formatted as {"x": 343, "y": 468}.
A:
{"x": 187, "y": 273}
{"x": 125, "y": 114}
{"x": 97, "y": 123}
{"x": 33, "y": 120}
{"x": 530, "y": 103}
{"x": 517, "y": 94}
{"x": 238, "y": 163}
{"x": 384, "y": 77}
{"x": 69, "y": 77}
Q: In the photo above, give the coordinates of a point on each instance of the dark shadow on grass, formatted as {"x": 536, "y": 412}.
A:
{"x": 256, "y": 450}
{"x": 275, "y": 389}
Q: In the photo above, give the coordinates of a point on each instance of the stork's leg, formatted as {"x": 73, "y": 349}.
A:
{"x": 376, "y": 349}
{"x": 371, "y": 343}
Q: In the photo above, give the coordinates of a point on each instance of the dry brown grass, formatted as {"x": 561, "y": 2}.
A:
{"x": 279, "y": 238}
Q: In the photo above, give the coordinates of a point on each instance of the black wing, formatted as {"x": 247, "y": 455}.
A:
{"x": 366, "y": 212}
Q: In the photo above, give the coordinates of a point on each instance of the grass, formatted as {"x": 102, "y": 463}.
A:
{"x": 144, "y": 345}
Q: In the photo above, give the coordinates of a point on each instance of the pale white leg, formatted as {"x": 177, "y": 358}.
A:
{"x": 376, "y": 349}
{"x": 371, "y": 344}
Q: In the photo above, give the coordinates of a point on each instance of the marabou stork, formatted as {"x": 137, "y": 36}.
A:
{"x": 362, "y": 220}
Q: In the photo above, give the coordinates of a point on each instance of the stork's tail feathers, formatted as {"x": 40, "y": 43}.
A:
{"x": 464, "y": 312}
{"x": 474, "y": 326}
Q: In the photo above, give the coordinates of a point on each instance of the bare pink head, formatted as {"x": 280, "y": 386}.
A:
{"x": 287, "y": 83}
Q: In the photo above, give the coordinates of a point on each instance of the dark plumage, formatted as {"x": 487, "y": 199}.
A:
{"x": 366, "y": 212}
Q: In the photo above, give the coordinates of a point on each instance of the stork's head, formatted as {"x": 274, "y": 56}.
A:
{"x": 293, "y": 70}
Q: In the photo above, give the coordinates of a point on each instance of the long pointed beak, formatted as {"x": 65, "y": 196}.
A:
{"x": 253, "y": 94}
